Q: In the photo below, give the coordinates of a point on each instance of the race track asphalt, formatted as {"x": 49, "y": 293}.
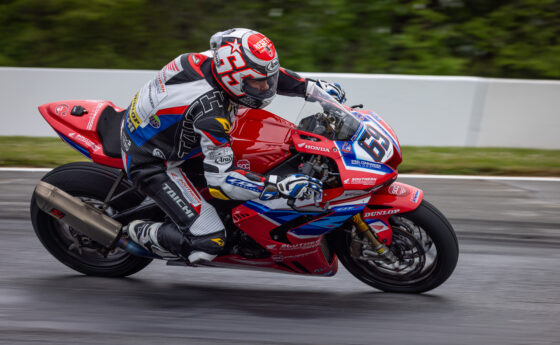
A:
{"x": 505, "y": 289}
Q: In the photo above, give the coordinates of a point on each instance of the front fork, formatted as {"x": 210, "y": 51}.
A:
{"x": 363, "y": 230}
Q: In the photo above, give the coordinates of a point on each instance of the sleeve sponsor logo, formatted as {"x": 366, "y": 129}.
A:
{"x": 155, "y": 121}
{"x": 244, "y": 184}
{"x": 222, "y": 154}
{"x": 162, "y": 75}
{"x": 133, "y": 120}
{"x": 224, "y": 160}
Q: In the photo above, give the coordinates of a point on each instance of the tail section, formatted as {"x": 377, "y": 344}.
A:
{"x": 90, "y": 127}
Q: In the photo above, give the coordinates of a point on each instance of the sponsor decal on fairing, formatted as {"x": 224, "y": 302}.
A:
{"x": 346, "y": 147}
{"x": 359, "y": 160}
{"x": 398, "y": 190}
{"x": 347, "y": 208}
{"x": 61, "y": 110}
{"x": 378, "y": 226}
{"x": 381, "y": 213}
{"x": 84, "y": 140}
{"x": 313, "y": 147}
{"x": 361, "y": 180}
{"x": 94, "y": 116}
{"x": 415, "y": 197}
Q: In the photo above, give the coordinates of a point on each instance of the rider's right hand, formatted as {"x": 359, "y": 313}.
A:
{"x": 295, "y": 186}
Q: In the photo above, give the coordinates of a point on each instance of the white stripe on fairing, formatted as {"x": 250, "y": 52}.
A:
{"x": 419, "y": 176}
{"x": 269, "y": 219}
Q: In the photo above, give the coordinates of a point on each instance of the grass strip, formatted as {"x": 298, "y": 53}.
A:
{"x": 51, "y": 152}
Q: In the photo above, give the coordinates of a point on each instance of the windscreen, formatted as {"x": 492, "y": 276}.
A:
{"x": 323, "y": 115}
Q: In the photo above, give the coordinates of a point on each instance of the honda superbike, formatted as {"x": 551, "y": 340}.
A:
{"x": 382, "y": 231}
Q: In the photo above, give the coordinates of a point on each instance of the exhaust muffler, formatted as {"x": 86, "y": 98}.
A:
{"x": 84, "y": 218}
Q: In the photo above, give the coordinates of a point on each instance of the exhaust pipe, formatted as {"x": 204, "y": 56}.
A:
{"x": 84, "y": 218}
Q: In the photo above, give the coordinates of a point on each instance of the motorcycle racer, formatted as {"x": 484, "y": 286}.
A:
{"x": 187, "y": 110}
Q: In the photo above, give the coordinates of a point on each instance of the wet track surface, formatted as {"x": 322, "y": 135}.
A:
{"x": 505, "y": 290}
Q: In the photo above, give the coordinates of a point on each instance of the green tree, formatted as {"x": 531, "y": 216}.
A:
{"x": 499, "y": 38}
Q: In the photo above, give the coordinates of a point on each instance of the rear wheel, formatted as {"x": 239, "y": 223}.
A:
{"x": 424, "y": 247}
{"x": 91, "y": 183}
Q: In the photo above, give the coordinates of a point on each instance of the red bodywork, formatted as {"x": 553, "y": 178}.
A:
{"x": 81, "y": 130}
{"x": 261, "y": 141}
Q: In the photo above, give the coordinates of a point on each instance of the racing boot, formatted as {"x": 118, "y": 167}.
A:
{"x": 145, "y": 234}
{"x": 204, "y": 248}
{"x": 167, "y": 241}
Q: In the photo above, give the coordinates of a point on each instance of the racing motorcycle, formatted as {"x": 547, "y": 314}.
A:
{"x": 383, "y": 231}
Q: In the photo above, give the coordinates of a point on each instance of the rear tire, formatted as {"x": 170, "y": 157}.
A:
{"x": 91, "y": 183}
{"x": 417, "y": 235}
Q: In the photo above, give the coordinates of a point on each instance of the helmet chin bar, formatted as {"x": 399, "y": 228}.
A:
{"x": 252, "y": 102}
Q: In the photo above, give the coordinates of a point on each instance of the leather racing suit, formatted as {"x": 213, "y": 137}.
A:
{"x": 179, "y": 114}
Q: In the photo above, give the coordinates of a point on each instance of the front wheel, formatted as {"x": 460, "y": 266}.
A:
{"x": 424, "y": 245}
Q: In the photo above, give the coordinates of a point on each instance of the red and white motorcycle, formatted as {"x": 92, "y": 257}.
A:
{"x": 383, "y": 231}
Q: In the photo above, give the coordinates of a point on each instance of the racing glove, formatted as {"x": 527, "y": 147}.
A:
{"x": 295, "y": 186}
{"x": 333, "y": 89}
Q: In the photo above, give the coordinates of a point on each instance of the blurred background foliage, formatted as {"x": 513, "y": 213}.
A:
{"x": 492, "y": 38}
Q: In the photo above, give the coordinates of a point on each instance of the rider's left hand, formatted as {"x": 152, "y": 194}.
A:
{"x": 333, "y": 89}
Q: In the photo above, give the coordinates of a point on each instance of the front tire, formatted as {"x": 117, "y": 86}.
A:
{"x": 424, "y": 243}
{"x": 91, "y": 183}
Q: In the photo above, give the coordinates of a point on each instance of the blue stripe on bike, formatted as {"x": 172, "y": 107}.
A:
{"x": 78, "y": 148}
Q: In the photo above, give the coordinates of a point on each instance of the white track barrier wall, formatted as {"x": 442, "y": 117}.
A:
{"x": 423, "y": 110}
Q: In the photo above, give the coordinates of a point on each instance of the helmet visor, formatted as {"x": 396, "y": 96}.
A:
{"x": 261, "y": 88}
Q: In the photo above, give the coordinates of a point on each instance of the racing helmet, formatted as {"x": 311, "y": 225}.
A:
{"x": 246, "y": 66}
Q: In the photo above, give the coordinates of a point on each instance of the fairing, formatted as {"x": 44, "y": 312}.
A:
{"x": 80, "y": 132}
